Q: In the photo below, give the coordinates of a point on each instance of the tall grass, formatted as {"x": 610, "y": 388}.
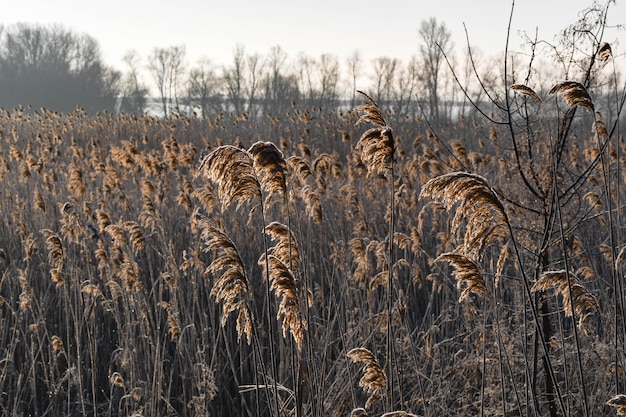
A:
{"x": 241, "y": 266}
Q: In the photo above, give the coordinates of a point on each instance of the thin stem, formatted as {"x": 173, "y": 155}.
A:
{"x": 390, "y": 350}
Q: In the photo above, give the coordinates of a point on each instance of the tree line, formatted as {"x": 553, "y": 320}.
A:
{"x": 52, "y": 66}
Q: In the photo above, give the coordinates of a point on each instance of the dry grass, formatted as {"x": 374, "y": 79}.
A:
{"x": 136, "y": 254}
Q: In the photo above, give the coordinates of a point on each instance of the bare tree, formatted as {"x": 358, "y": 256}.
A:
{"x": 204, "y": 87}
{"x": 167, "y": 68}
{"x": 329, "y": 79}
{"x": 234, "y": 78}
{"x": 305, "y": 69}
{"x": 253, "y": 80}
{"x": 435, "y": 44}
{"x": 384, "y": 74}
{"x": 405, "y": 87}
{"x": 281, "y": 89}
{"x": 133, "y": 92}
{"x": 54, "y": 67}
{"x": 355, "y": 64}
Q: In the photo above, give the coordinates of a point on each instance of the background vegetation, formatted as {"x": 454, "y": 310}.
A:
{"x": 314, "y": 261}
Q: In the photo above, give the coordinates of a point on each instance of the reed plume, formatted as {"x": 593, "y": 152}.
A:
{"x": 312, "y": 202}
{"x": 527, "y": 91}
{"x": 270, "y": 167}
{"x": 605, "y": 53}
{"x": 574, "y": 94}
{"x": 286, "y": 248}
{"x": 466, "y": 273}
{"x": 486, "y": 220}
{"x": 231, "y": 286}
{"x": 38, "y": 201}
{"x": 299, "y": 169}
{"x": 619, "y": 402}
{"x": 27, "y": 294}
{"x": 56, "y": 253}
{"x": 283, "y": 283}
{"x": 358, "y": 412}
{"x": 137, "y": 237}
{"x": 231, "y": 170}
{"x": 374, "y": 380}
{"x": 376, "y": 144}
{"x": 581, "y": 302}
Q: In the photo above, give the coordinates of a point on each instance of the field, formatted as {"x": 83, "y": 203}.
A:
{"x": 306, "y": 264}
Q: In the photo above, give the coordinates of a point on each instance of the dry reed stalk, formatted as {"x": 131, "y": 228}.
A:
{"x": 398, "y": 414}
{"x": 466, "y": 273}
{"x": 527, "y": 91}
{"x": 582, "y": 302}
{"x": 374, "y": 380}
{"x": 283, "y": 283}
{"x": 231, "y": 286}
{"x": 574, "y": 94}
{"x": 619, "y": 402}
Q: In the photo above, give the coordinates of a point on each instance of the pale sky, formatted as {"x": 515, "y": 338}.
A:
{"x": 212, "y": 29}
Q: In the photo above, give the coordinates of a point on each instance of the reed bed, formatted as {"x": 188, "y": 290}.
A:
{"x": 239, "y": 265}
